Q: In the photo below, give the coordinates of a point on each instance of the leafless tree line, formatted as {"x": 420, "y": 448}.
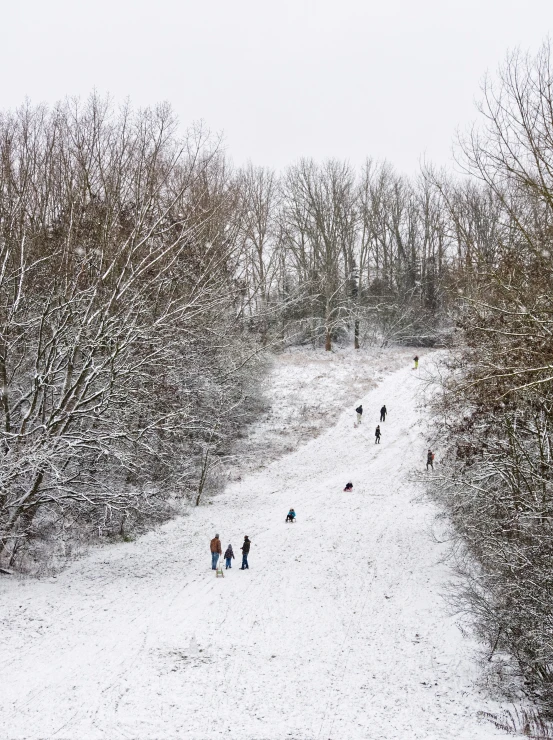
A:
{"x": 497, "y": 404}
{"x": 141, "y": 276}
{"x": 330, "y": 252}
{"x": 120, "y": 358}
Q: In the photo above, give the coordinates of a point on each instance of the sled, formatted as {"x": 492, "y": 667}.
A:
{"x": 219, "y": 570}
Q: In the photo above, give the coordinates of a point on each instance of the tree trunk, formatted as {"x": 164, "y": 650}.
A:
{"x": 203, "y": 477}
{"x": 328, "y": 340}
{"x": 356, "y": 334}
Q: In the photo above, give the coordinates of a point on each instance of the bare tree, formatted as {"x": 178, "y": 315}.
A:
{"x": 259, "y": 235}
{"x": 318, "y": 220}
{"x": 114, "y": 258}
{"x": 498, "y": 405}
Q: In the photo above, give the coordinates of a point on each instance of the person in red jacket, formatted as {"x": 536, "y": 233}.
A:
{"x": 216, "y": 551}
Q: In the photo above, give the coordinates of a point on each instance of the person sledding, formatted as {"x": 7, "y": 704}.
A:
{"x": 291, "y": 516}
{"x": 383, "y": 412}
{"x": 349, "y": 487}
{"x": 430, "y": 459}
{"x": 377, "y": 435}
{"x": 359, "y": 412}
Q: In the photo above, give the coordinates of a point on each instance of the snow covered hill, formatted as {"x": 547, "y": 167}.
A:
{"x": 338, "y": 630}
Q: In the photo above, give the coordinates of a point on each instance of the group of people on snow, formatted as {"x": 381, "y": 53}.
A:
{"x": 378, "y": 432}
{"x": 215, "y": 545}
{"x": 217, "y": 551}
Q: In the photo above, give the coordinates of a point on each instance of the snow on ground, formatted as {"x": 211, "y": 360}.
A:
{"x": 306, "y": 392}
{"x": 338, "y": 630}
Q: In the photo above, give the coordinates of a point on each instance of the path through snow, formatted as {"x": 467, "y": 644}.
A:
{"x": 338, "y": 630}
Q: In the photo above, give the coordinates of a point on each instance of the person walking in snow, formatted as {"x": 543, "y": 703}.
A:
{"x": 359, "y": 411}
{"x": 245, "y": 551}
{"x": 416, "y": 361}
{"x": 291, "y": 516}
{"x": 228, "y": 557}
{"x": 377, "y": 435}
{"x": 216, "y": 551}
{"x": 430, "y": 459}
{"x": 383, "y": 413}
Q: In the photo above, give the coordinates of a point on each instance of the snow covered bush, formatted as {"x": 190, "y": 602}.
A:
{"x": 120, "y": 355}
{"x": 497, "y": 408}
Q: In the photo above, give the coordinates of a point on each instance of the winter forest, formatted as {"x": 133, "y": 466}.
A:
{"x": 146, "y": 281}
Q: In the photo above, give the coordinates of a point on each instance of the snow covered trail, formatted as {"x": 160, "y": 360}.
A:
{"x": 338, "y": 630}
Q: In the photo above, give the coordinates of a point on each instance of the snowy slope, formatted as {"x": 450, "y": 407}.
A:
{"x": 306, "y": 393}
{"x": 338, "y": 630}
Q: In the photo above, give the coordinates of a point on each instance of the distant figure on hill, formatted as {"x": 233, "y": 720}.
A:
{"x": 290, "y": 517}
{"x": 359, "y": 411}
{"x": 416, "y": 360}
{"x": 228, "y": 557}
{"x": 349, "y": 487}
{"x": 216, "y": 550}
{"x": 377, "y": 435}
{"x": 383, "y": 413}
{"x": 245, "y": 551}
{"x": 430, "y": 459}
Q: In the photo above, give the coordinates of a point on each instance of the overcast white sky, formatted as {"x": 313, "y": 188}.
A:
{"x": 281, "y": 78}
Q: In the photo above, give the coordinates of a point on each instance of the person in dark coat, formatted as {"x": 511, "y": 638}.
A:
{"x": 383, "y": 413}
{"x": 245, "y": 551}
{"x": 228, "y": 557}
{"x": 430, "y": 459}
{"x": 216, "y": 550}
{"x": 359, "y": 411}
{"x": 349, "y": 487}
{"x": 377, "y": 435}
{"x": 291, "y": 515}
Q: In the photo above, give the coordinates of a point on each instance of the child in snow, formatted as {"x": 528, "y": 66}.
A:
{"x": 377, "y": 435}
{"x": 291, "y": 515}
{"x": 383, "y": 413}
{"x": 228, "y": 557}
{"x": 416, "y": 360}
{"x": 349, "y": 487}
{"x": 359, "y": 411}
{"x": 430, "y": 459}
